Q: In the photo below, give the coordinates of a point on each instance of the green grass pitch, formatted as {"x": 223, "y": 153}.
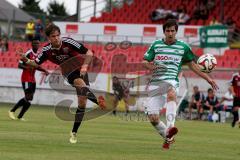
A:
{"x": 45, "y": 137}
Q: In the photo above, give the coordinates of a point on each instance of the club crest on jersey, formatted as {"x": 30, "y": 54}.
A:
{"x": 65, "y": 50}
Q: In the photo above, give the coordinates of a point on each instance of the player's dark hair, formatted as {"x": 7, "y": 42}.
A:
{"x": 115, "y": 77}
{"x": 195, "y": 87}
{"x": 210, "y": 90}
{"x": 51, "y": 28}
{"x": 35, "y": 40}
{"x": 170, "y": 23}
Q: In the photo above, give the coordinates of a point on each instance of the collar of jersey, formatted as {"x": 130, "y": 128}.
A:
{"x": 52, "y": 48}
{"x": 35, "y": 54}
{"x": 169, "y": 44}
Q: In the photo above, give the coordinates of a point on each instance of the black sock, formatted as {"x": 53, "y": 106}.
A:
{"x": 235, "y": 118}
{"x": 21, "y": 102}
{"x": 24, "y": 109}
{"x": 84, "y": 91}
{"x": 78, "y": 119}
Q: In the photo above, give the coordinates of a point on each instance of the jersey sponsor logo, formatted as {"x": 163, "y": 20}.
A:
{"x": 167, "y": 58}
{"x": 62, "y": 57}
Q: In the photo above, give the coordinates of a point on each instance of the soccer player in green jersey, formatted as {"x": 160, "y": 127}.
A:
{"x": 165, "y": 58}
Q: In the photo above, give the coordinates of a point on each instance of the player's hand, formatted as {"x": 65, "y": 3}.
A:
{"x": 83, "y": 70}
{"x": 213, "y": 84}
{"x": 46, "y": 72}
{"x": 20, "y": 52}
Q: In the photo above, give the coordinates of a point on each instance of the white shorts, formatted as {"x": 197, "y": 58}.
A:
{"x": 157, "y": 96}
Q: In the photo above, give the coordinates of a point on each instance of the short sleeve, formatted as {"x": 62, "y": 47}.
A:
{"x": 150, "y": 54}
{"x": 42, "y": 57}
{"x": 76, "y": 46}
{"x": 188, "y": 54}
{"x": 27, "y": 54}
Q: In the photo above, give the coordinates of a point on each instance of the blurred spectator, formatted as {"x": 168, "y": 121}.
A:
{"x": 227, "y": 100}
{"x": 226, "y": 104}
{"x": 212, "y": 103}
{"x": 203, "y": 13}
{"x": 38, "y": 30}
{"x": 196, "y": 102}
{"x": 158, "y": 14}
{"x": 210, "y": 4}
{"x": 120, "y": 92}
{"x": 200, "y": 12}
{"x": 3, "y": 44}
{"x": 129, "y": 2}
{"x": 232, "y": 30}
{"x": 183, "y": 17}
{"x": 161, "y": 13}
{"x": 30, "y": 30}
{"x": 235, "y": 86}
{"x": 214, "y": 21}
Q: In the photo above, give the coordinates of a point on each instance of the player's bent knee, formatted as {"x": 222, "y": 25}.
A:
{"x": 154, "y": 118}
{"x": 82, "y": 91}
{"x": 78, "y": 83}
{"x": 171, "y": 96}
{"x": 29, "y": 97}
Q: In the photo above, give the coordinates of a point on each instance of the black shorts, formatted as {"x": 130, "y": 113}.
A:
{"x": 29, "y": 87}
{"x": 118, "y": 94}
{"x": 194, "y": 105}
{"x": 236, "y": 102}
{"x": 205, "y": 107}
{"x": 76, "y": 74}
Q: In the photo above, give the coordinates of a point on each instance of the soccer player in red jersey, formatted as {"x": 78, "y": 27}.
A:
{"x": 61, "y": 51}
{"x": 28, "y": 82}
{"x": 235, "y": 81}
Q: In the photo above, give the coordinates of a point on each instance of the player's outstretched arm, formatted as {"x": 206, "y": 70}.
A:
{"x": 22, "y": 66}
{"x": 195, "y": 68}
{"x": 39, "y": 68}
{"x": 23, "y": 57}
{"x": 86, "y": 62}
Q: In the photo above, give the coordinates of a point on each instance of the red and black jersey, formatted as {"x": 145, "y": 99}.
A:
{"x": 28, "y": 75}
{"x": 68, "y": 49}
{"x": 236, "y": 84}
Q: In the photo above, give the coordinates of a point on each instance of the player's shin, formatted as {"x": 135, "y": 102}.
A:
{"x": 171, "y": 111}
{"x": 25, "y": 107}
{"x": 160, "y": 127}
{"x": 19, "y": 103}
{"x": 78, "y": 119}
{"x": 84, "y": 91}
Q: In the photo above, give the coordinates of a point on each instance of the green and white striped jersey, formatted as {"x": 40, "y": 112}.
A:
{"x": 168, "y": 59}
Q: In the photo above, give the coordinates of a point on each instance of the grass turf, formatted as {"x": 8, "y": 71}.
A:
{"x": 44, "y": 136}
